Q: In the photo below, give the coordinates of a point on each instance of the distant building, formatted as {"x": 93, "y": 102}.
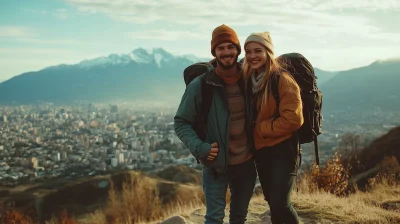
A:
{"x": 146, "y": 148}
{"x": 57, "y": 157}
{"x": 63, "y": 155}
{"x": 114, "y": 162}
{"x": 34, "y": 163}
{"x": 114, "y": 109}
{"x": 121, "y": 158}
{"x": 135, "y": 143}
{"x": 115, "y": 116}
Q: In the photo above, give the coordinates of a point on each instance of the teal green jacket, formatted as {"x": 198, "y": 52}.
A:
{"x": 218, "y": 126}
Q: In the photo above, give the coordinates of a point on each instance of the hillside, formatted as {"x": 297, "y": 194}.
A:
{"x": 128, "y": 196}
{"x": 323, "y": 76}
{"x": 373, "y": 87}
{"x": 87, "y": 194}
{"x": 381, "y": 156}
{"x": 385, "y": 146}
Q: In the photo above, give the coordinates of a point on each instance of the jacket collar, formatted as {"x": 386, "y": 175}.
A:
{"x": 214, "y": 79}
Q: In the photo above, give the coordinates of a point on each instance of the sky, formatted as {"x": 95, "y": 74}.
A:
{"x": 333, "y": 34}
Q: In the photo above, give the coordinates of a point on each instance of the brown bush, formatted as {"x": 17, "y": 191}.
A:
{"x": 389, "y": 173}
{"x": 390, "y": 169}
{"x": 16, "y": 217}
{"x": 63, "y": 218}
{"x": 143, "y": 199}
{"x": 137, "y": 202}
{"x": 332, "y": 177}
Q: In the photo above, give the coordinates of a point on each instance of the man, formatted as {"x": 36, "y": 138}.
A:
{"x": 227, "y": 152}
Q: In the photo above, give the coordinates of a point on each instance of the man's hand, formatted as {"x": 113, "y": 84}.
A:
{"x": 213, "y": 152}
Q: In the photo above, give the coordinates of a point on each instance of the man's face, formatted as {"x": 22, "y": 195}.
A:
{"x": 226, "y": 55}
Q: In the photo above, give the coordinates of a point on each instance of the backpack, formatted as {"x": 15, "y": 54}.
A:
{"x": 189, "y": 74}
{"x": 303, "y": 73}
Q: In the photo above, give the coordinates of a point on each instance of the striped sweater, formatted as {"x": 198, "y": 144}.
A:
{"x": 239, "y": 147}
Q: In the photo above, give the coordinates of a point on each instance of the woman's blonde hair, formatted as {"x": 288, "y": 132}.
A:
{"x": 272, "y": 67}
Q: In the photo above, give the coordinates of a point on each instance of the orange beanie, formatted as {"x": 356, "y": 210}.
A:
{"x": 223, "y": 34}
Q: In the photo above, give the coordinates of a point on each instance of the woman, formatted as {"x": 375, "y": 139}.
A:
{"x": 274, "y": 126}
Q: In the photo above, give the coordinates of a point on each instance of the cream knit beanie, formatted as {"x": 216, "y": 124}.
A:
{"x": 262, "y": 38}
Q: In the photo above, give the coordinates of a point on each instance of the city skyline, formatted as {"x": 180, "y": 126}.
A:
{"x": 42, "y": 33}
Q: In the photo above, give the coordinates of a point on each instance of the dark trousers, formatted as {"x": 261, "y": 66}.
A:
{"x": 277, "y": 170}
{"x": 241, "y": 180}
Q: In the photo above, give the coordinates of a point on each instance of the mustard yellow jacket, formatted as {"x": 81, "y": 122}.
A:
{"x": 269, "y": 132}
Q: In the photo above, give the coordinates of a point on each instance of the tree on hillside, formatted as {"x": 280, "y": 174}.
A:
{"x": 349, "y": 147}
{"x": 350, "y": 142}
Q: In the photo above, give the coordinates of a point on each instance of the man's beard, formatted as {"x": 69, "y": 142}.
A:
{"x": 220, "y": 63}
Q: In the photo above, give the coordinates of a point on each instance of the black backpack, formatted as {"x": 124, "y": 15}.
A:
{"x": 303, "y": 72}
{"x": 189, "y": 74}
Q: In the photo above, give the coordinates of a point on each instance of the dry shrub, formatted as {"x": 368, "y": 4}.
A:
{"x": 137, "y": 202}
{"x": 332, "y": 177}
{"x": 389, "y": 168}
{"x": 143, "y": 199}
{"x": 63, "y": 218}
{"x": 16, "y": 217}
{"x": 389, "y": 173}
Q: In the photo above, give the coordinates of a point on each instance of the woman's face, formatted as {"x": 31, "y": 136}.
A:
{"x": 256, "y": 56}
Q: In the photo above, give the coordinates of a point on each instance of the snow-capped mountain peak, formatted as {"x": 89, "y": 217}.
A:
{"x": 157, "y": 56}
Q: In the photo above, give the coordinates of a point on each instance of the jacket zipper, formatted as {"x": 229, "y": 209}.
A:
{"x": 226, "y": 143}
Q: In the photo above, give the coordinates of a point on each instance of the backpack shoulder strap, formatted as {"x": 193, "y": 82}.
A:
{"x": 206, "y": 93}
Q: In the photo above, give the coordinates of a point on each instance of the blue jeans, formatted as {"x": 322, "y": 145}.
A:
{"x": 277, "y": 170}
{"x": 241, "y": 180}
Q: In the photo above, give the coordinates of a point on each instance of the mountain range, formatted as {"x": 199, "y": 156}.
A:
{"x": 140, "y": 74}
{"x": 367, "y": 88}
{"x": 157, "y": 75}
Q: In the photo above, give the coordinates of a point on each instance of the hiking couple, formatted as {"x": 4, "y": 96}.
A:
{"x": 249, "y": 131}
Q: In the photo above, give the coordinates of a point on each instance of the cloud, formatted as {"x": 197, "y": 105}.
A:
{"x": 371, "y": 5}
{"x": 234, "y": 11}
{"x": 307, "y": 18}
{"x": 55, "y": 41}
{"x": 34, "y": 51}
{"x": 60, "y": 13}
{"x": 44, "y": 12}
{"x": 168, "y": 35}
{"x": 16, "y": 31}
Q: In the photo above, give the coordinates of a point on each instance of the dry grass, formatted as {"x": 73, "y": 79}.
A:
{"x": 360, "y": 207}
{"x": 323, "y": 197}
{"x": 140, "y": 202}
{"x": 324, "y": 194}
{"x": 63, "y": 218}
